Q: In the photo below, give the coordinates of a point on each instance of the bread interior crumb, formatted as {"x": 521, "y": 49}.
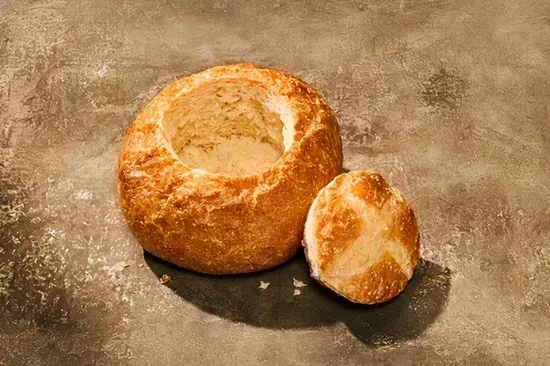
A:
{"x": 229, "y": 126}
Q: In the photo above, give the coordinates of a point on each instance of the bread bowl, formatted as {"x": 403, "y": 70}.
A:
{"x": 361, "y": 238}
{"x": 217, "y": 172}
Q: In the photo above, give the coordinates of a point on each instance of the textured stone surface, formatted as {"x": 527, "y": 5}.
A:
{"x": 448, "y": 99}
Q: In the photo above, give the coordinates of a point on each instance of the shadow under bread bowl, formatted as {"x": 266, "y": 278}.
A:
{"x": 361, "y": 238}
{"x": 218, "y": 171}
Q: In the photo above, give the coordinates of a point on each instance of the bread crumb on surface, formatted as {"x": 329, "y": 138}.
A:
{"x": 297, "y": 292}
{"x": 121, "y": 265}
{"x": 118, "y": 267}
{"x": 165, "y": 279}
{"x": 298, "y": 283}
{"x": 264, "y": 285}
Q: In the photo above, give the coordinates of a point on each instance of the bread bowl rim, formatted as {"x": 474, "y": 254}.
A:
{"x": 213, "y": 75}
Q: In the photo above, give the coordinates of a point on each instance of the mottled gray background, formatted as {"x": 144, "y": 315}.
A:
{"x": 448, "y": 99}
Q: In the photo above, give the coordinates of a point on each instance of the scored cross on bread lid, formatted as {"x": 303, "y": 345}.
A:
{"x": 361, "y": 238}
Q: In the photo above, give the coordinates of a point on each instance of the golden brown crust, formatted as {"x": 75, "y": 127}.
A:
{"x": 337, "y": 230}
{"x": 221, "y": 224}
{"x": 361, "y": 238}
{"x": 381, "y": 282}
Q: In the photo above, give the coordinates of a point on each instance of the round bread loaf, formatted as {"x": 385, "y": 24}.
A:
{"x": 361, "y": 238}
{"x": 218, "y": 171}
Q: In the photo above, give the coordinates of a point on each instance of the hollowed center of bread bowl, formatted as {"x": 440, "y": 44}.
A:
{"x": 232, "y": 127}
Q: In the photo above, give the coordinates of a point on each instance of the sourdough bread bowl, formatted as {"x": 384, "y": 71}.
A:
{"x": 361, "y": 238}
{"x": 217, "y": 172}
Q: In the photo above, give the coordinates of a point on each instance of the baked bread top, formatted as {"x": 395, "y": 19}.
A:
{"x": 361, "y": 238}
